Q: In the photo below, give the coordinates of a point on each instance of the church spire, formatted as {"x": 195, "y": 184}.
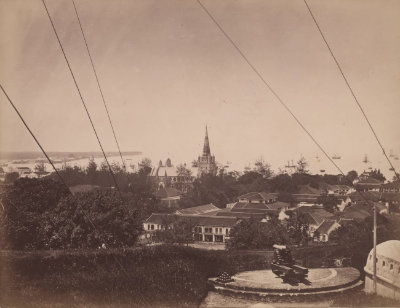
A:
{"x": 206, "y": 147}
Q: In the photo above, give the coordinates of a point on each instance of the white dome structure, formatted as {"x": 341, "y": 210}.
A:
{"x": 387, "y": 270}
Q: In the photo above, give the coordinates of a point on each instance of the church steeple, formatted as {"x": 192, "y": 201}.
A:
{"x": 206, "y": 147}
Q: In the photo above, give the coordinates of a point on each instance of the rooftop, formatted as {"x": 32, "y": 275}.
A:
{"x": 198, "y": 210}
{"x": 260, "y": 196}
{"x": 209, "y": 221}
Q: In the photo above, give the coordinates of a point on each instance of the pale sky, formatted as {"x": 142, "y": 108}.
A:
{"x": 166, "y": 71}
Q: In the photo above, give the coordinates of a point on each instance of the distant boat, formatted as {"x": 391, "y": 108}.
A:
{"x": 391, "y": 153}
{"x": 290, "y": 165}
{"x": 322, "y": 170}
{"x": 396, "y": 157}
{"x": 365, "y": 160}
{"x": 335, "y": 156}
{"x": 391, "y": 169}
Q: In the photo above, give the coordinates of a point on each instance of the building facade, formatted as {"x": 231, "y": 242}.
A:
{"x": 387, "y": 270}
{"x": 169, "y": 176}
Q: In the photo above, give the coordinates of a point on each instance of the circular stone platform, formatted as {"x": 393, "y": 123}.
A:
{"x": 264, "y": 284}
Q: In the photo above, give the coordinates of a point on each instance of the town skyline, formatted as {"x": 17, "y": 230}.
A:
{"x": 197, "y": 85}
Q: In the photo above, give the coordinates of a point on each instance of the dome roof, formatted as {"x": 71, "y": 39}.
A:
{"x": 388, "y": 249}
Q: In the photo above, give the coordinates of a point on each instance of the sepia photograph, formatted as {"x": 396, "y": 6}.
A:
{"x": 199, "y": 153}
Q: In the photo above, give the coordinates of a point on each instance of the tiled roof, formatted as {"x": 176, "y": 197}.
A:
{"x": 243, "y": 215}
{"x": 278, "y": 205}
{"x": 315, "y": 215}
{"x": 198, "y": 210}
{"x": 368, "y": 181}
{"x": 246, "y": 205}
{"x": 307, "y": 189}
{"x": 357, "y": 212}
{"x": 258, "y": 196}
{"x": 387, "y": 196}
{"x": 215, "y": 221}
{"x": 395, "y": 184}
{"x": 209, "y": 221}
{"x": 253, "y": 211}
{"x": 305, "y": 197}
{"x": 163, "y": 170}
{"x": 361, "y": 196}
{"x": 326, "y": 226}
{"x": 157, "y": 218}
{"x": 168, "y": 192}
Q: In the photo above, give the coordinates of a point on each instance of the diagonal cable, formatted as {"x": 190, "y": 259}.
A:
{"x": 80, "y": 95}
{"x": 98, "y": 83}
{"x": 276, "y": 94}
{"x": 351, "y": 90}
{"x": 55, "y": 169}
{"x": 34, "y": 137}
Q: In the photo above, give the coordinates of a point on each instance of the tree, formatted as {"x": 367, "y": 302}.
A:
{"x": 253, "y": 234}
{"x": 26, "y": 220}
{"x": 178, "y": 230}
{"x": 91, "y": 171}
{"x": 353, "y": 234}
{"x": 40, "y": 169}
{"x": 183, "y": 171}
{"x": 297, "y": 227}
{"x": 95, "y": 218}
{"x": 376, "y": 174}
{"x": 263, "y": 168}
{"x": 286, "y": 197}
{"x": 11, "y": 177}
{"x": 351, "y": 176}
{"x": 145, "y": 166}
{"x": 329, "y": 202}
{"x": 302, "y": 165}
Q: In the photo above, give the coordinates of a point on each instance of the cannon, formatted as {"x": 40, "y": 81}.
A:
{"x": 283, "y": 265}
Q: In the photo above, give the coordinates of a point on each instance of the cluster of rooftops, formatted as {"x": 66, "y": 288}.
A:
{"x": 263, "y": 206}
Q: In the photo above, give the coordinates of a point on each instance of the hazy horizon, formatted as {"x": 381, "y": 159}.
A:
{"x": 167, "y": 71}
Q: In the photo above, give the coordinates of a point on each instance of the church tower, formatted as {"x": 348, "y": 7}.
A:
{"x": 206, "y": 162}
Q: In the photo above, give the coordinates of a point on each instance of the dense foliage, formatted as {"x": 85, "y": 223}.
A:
{"x": 254, "y": 234}
{"x": 167, "y": 276}
{"x": 42, "y": 214}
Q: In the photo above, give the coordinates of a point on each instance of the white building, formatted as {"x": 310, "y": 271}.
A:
{"x": 387, "y": 270}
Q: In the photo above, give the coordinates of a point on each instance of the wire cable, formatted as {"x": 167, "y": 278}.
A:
{"x": 98, "y": 83}
{"x": 268, "y": 85}
{"x": 55, "y": 169}
{"x": 80, "y": 95}
{"x": 351, "y": 90}
{"x": 34, "y": 137}
{"x": 275, "y": 93}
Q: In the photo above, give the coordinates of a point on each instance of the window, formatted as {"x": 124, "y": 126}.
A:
{"x": 208, "y": 238}
{"x": 152, "y": 227}
{"x": 219, "y": 238}
{"x": 207, "y": 230}
{"x": 370, "y": 257}
{"x": 391, "y": 266}
{"x": 383, "y": 263}
{"x": 227, "y": 231}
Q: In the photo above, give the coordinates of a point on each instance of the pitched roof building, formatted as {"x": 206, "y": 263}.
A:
{"x": 199, "y": 210}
